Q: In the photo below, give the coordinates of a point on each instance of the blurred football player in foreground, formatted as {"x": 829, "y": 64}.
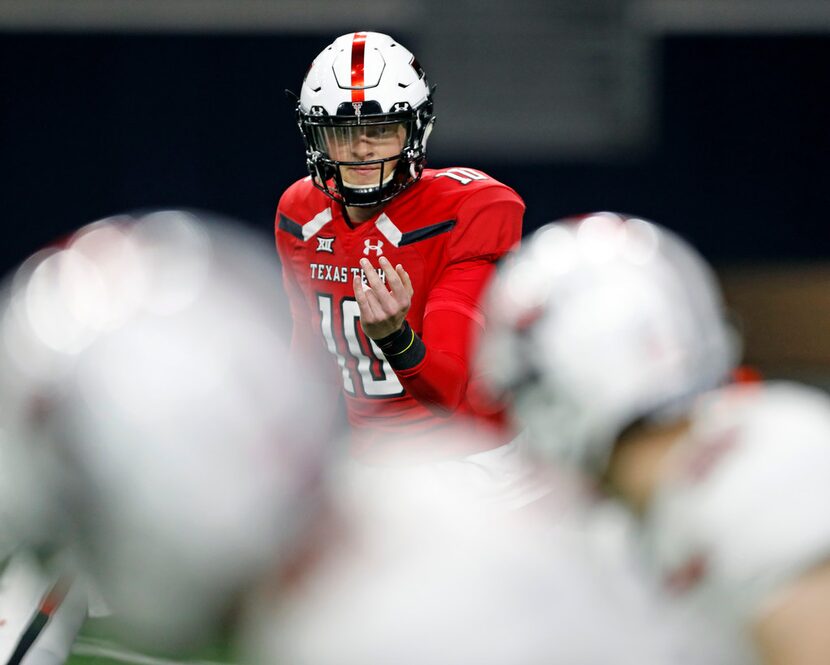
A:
{"x": 433, "y": 572}
{"x": 161, "y": 448}
{"x": 610, "y": 334}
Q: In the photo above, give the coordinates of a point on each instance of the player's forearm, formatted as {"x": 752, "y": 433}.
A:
{"x": 439, "y": 383}
{"x": 437, "y": 379}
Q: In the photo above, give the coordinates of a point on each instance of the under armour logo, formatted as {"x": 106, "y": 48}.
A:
{"x": 400, "y": 106}
{"x": 376, "y": 248}
{"x": 357, "y": 106}
{"x": 325, "y": 245}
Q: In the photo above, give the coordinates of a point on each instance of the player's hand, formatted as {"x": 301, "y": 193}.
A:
{"x": 383, "y": 308}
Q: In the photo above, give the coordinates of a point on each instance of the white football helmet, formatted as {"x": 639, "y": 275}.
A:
{"x": 599, "y": 321}
{"x": 146, "y": 361}
{"x": 364, "y": 82}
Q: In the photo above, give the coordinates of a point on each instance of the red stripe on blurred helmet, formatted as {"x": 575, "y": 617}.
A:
{"x": 358, "y": 48}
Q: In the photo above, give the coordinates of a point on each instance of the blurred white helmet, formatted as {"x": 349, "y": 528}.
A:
{"x": 599, "y": 321}
{"x": 145, "y": 363}
{"x": 364, "y": 81}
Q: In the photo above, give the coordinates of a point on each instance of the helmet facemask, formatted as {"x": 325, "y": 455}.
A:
{"x": 334, "y": 145}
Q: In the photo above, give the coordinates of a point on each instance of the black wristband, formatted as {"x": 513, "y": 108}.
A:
{"x": 397, "y": 341}
{"x": 403, "y": 349}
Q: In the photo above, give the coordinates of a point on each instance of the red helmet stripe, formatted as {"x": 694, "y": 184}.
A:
{"x": 358, "y": 47}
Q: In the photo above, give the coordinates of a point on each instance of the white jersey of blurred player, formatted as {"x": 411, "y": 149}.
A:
{"x": 610, "y": 334}
{"x": 502, "y": 477}
{"x": 144, "y": 368}
{"x": 416, "y": 572}
{"x": 743, "y": 508}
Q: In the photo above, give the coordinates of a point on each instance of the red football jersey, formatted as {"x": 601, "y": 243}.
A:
{"x": 447, "y": 230}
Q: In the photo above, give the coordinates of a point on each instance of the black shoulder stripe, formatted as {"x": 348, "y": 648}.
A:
{"x": 426, "y": 232}
{"x": 290, "y": 226}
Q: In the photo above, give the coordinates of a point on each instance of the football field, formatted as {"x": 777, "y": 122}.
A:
{"x": 89, "y": 650}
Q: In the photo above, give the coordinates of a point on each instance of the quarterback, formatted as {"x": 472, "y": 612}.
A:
{"x": 383, "y": 259}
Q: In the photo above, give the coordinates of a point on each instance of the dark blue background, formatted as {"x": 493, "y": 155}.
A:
{"x": 91, "y": 125}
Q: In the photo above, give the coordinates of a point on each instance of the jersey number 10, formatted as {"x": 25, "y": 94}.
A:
{"x": 368, "y": 375}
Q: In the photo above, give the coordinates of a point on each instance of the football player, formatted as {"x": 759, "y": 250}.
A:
{"x": 144, "y": 365}
{"x": 418, "y": 572}
{"x": 611, "y": 336}
{"x": 383, "y": 259}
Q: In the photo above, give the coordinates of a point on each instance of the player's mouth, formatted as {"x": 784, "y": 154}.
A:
{"x": 364, "y": 170}
{"x": 368, "y": 175}
{"x": 362, "y": 176}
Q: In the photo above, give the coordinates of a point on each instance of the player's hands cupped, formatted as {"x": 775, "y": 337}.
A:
{"x": 383, "y": 308}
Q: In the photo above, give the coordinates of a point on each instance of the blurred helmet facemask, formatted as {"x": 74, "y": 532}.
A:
{"x": 364, "y": 87}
